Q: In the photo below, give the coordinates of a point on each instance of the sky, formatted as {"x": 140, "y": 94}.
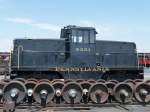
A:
{"x": 119, "y": 20}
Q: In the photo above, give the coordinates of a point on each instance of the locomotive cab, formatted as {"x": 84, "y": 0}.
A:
{"x": 75, "y": 34}
{"x": 80, "y": 42}
{"x": 79, "y": 34}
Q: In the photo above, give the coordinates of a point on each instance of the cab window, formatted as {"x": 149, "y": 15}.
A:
{"x": 74, "y": 36}
{"x": 80, "y": 37}
{"x": 86, "y": 36}
{"x": 92, "y": 37}
{"x": 83, "y": 36}
{"x": 77, "y": 36}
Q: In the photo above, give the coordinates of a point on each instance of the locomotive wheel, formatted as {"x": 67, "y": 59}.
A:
{"x": 142, "y": 93}
{"x": 20, "y": 79}
{"x": 30, "y": 86}
{"x": 138, "y": 81}
{"x": 99, "y": 93}
{"x": 123, "y": 92}
{"x": 72, "y": 93}
{"x": 58, "y": 86}
{"x": 32, "y": 79}
{"x": 101, "y": 81}
{"x": 58, "y": 92}
{"x": 147, "y": 82}
{"x": 85, "y": 91}
{"x": 131, "y": 83}
{"x": 68, "y": 80}
{"x": 110, "y": 86}
{"x": 44, "y": 80}
{"x": 85, "y": 85}
{"x": 114, "y": 81}
{"x": 43, "y": 93}
{"x": 2, "y": 84}
{"x": 91, "y": 81}
{"x": 58, "y": 80}
{"x": 79, "y": 80}
{"x": 14, "y": 90}
{"x": 6, "y": 80}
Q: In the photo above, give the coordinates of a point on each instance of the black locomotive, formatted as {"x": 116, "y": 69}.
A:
{"x": 76, "y": 55}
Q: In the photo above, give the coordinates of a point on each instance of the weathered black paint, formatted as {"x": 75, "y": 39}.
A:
{"x": 38, "y": 57}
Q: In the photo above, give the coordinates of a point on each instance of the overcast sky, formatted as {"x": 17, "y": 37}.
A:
{"x": 121, "y": 20}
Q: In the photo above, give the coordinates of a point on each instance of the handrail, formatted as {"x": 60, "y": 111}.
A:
{"x": 19, "y": 48}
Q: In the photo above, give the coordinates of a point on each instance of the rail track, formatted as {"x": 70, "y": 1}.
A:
{"x": 115, "y": 107}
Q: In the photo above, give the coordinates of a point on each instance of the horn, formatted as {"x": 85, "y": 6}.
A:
{"x": 72, "y": 93}
{"x": 99, "y": 93}
{"x": 58, "y": 91}
{"x": 123, "y": 92}
{"x": 142, "y": 92}
{"x": 85, "y": 91}
{"x": 14, "y": 91}
{"x": 30, "y": 86}
{"x": 43, "y": 93}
